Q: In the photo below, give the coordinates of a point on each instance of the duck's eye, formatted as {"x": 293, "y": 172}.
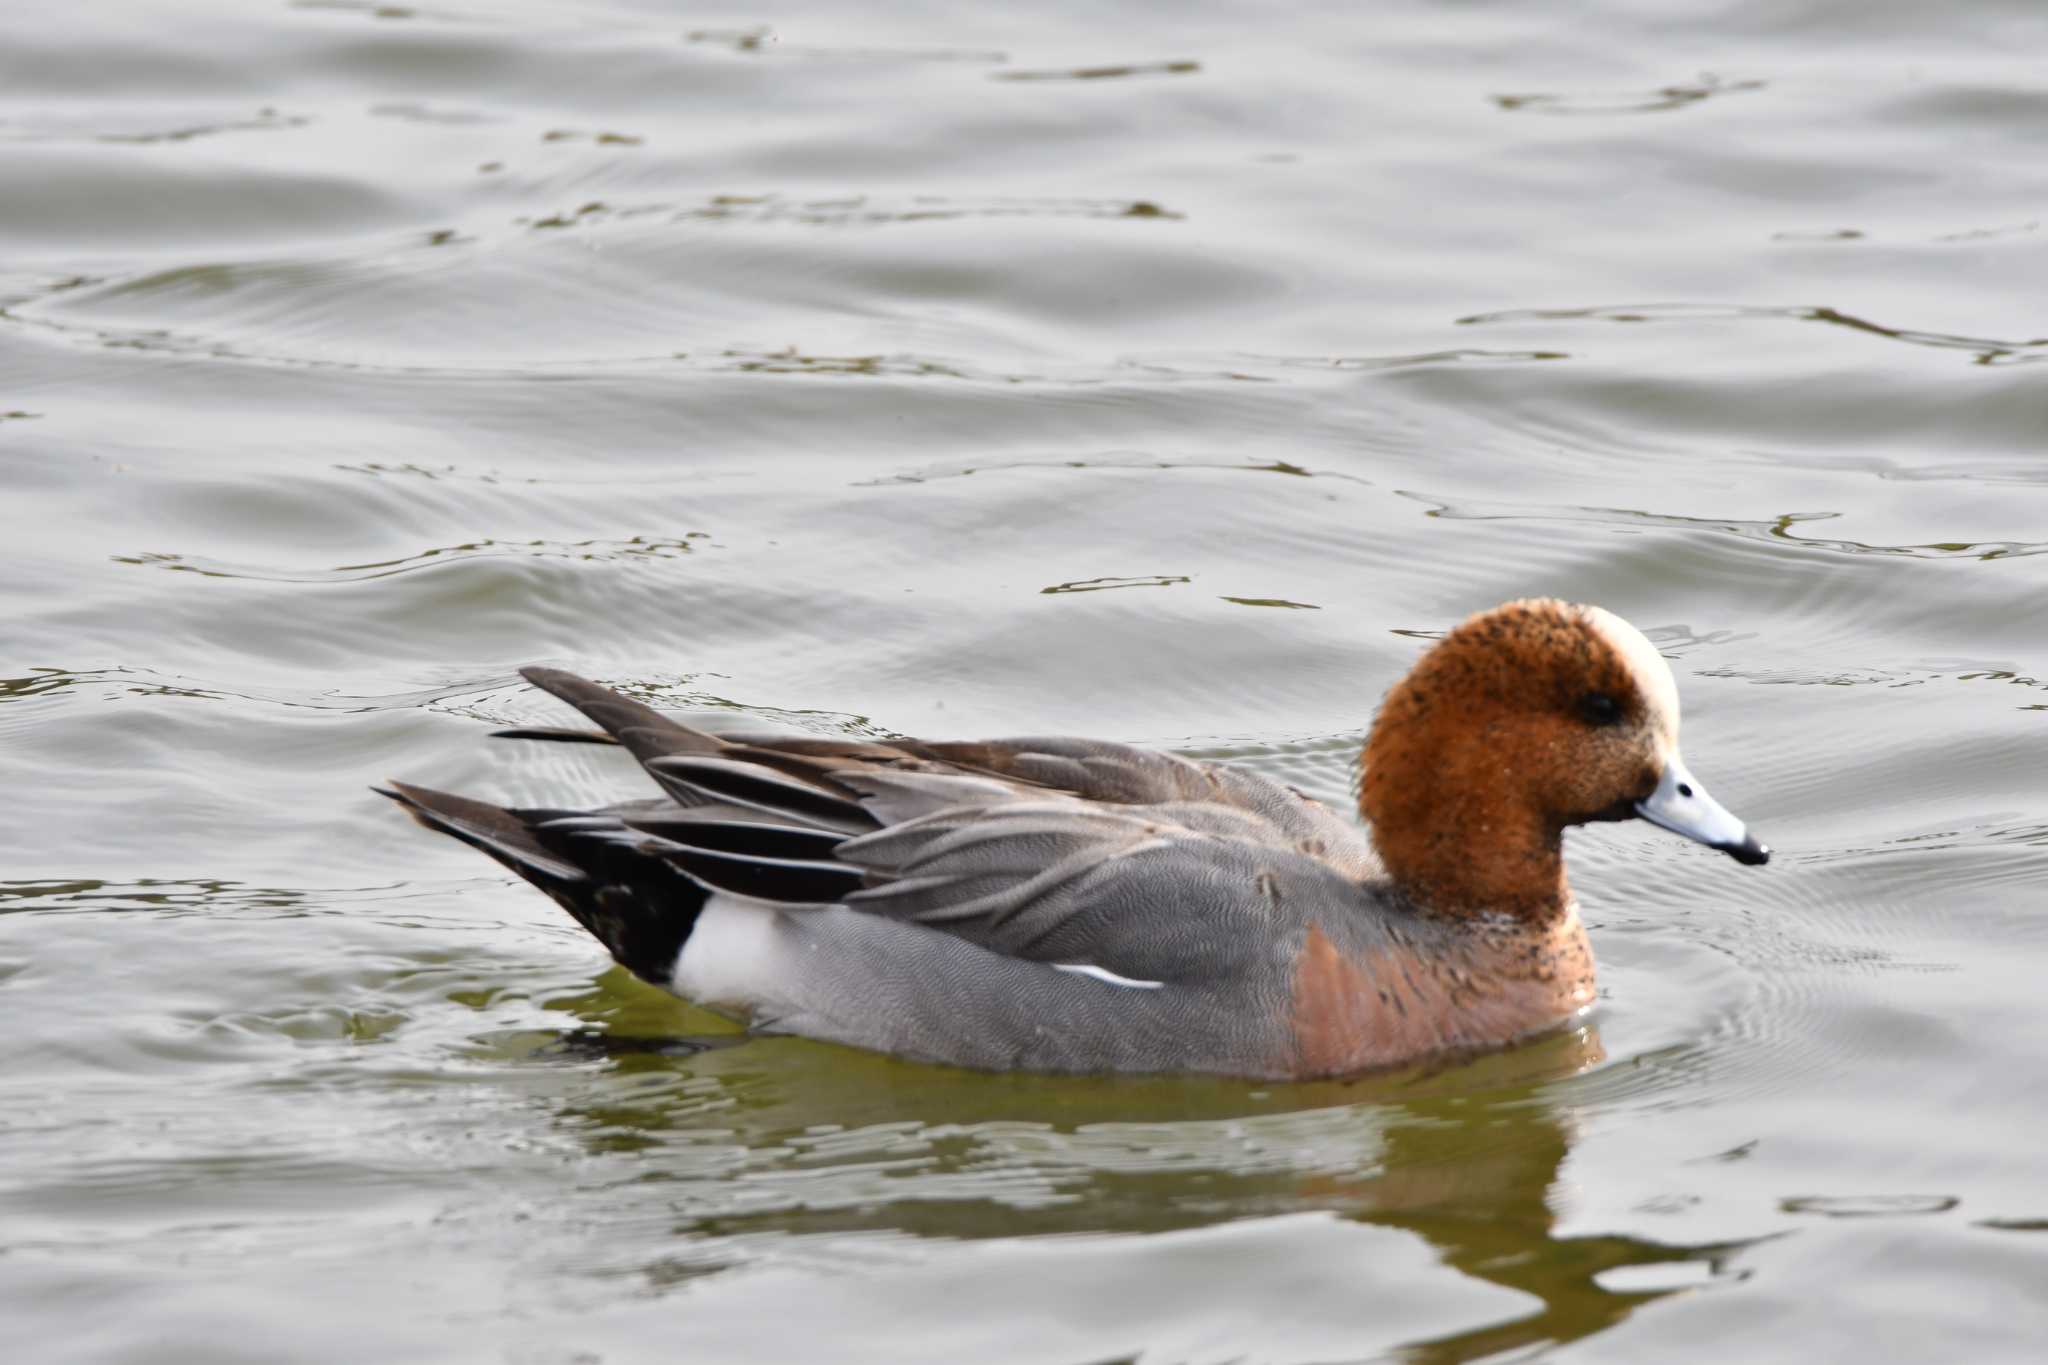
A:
{"x": 1599, "y": 708}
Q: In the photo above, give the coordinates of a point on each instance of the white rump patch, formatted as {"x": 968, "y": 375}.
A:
{"x": 1105, "y": 974}
{"x": 732, "y": 956}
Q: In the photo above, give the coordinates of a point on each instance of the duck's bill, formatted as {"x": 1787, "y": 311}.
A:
{"x": 1681, "y": 805}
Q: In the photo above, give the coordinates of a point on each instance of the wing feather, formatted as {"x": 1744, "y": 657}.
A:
{"x": 1140, "y": 864}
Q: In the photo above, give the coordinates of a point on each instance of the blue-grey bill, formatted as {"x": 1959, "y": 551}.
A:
{"x": 1681, "y": 805}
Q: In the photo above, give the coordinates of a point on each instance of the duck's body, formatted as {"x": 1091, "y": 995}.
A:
{"x": 1069, "y": 905}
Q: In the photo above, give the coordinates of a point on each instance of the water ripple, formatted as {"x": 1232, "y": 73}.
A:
{"x": 589, "y": 551}
{"x": 1103, "y": 73}
{"x": 1982, "y": 350}
{"x": 150, "y": 682}
{"x": 1102, "y": 584}
{"x": 143, "y": 129}
{"x": 420, "y": 331}
{"x": 1777, "y": 532}
{"x": 1676, "y": 96}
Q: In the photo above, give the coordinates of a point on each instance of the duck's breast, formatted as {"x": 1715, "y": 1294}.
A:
{"x": 1364, "y": 996}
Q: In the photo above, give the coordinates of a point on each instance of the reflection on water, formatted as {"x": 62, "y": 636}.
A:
{"x": 1466, "y": 1157}
{"x": 1503, "y": 1229}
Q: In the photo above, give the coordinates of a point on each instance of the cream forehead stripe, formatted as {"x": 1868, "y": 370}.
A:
{"x": 1652, "y": 674}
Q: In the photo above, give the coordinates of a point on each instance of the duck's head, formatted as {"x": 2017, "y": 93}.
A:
{"x": 1523, "y": 720}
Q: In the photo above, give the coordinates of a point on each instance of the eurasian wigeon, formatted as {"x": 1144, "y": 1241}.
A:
{"x": 1074, "y": 905}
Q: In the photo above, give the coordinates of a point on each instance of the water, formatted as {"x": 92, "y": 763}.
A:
{"x": 902, "y": 368}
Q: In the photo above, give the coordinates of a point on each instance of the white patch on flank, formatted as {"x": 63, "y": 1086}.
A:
{"x": 732, "y": 956}
{"x": 1105, "y": 974}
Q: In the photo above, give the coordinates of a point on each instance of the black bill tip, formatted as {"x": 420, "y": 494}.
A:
{"x": 1749, "y": 852}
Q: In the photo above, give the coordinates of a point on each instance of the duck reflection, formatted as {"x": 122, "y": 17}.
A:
{"x": 816, "y": 1141}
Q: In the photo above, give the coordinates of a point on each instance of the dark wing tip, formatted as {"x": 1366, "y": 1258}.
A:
{"x": 557, "y": 733}
{"x": 548, "y": 677}
{"x": 404, "y": 795}
{"x": 445, "y": 811}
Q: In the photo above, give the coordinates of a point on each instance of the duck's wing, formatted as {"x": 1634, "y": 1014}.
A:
{"x": 1186, "y": 893}
{"x": 1074, "y": 853}
{"x": 861, "y": 785}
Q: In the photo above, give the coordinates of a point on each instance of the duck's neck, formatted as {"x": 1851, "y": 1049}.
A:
{"x": 1455, "y": 835}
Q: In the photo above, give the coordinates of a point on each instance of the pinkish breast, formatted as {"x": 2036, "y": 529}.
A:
{"x": 1398, "y": 1003}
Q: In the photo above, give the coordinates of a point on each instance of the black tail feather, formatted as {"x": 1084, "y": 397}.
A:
{"x": 642, "y": 730}
{"x": 560, "y": 734}
{"x": 635, "y": 903}
{"x": 790, "y": 881}
{"x": 754, "y": 818}
{"x": 748, "y": 837}
{"x": 695, "y": 778}
{"x": 493, "y": 829}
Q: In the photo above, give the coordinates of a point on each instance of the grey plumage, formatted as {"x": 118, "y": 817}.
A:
{"x": 918, "y": 896}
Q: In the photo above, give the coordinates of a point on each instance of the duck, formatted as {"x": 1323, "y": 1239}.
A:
{"x": 1082, "y": 906}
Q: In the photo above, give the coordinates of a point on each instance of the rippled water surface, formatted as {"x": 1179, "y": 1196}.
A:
{"x": 899, "y": 368}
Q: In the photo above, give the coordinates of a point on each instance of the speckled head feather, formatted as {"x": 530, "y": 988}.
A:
{"x": 1523, "y": 720}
